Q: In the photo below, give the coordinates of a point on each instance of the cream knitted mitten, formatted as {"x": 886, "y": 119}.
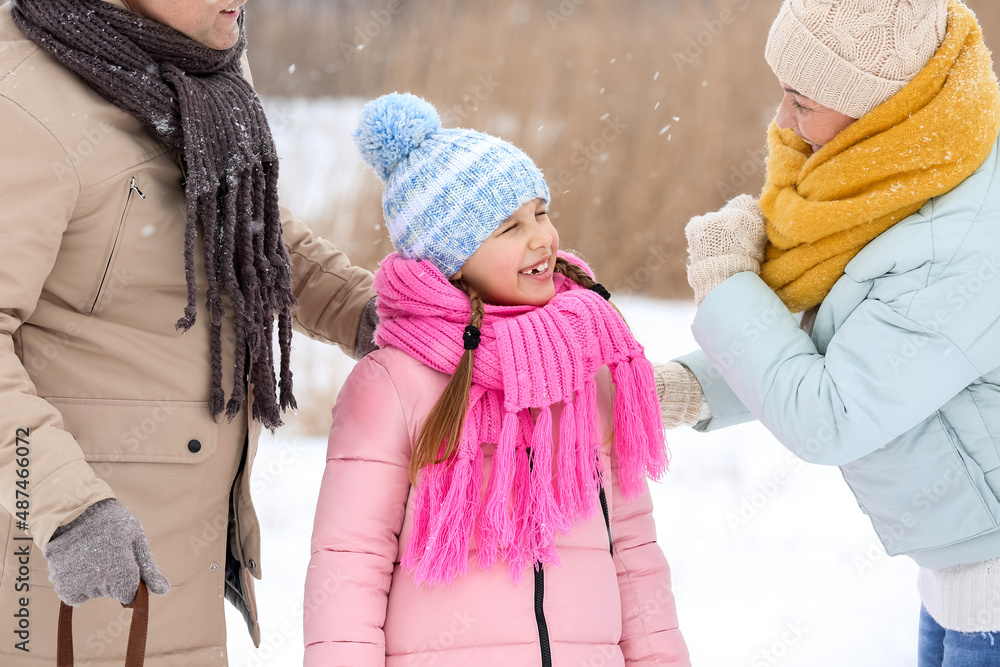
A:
{"x": 680, "y": 395}
{"x": 724, "y": 243}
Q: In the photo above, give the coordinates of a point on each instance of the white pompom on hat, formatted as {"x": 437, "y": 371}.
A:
{"x": 853, "y": 55}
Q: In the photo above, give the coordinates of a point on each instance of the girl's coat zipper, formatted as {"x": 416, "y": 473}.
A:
{"x": 543, "y": 628}
{"x": 539, "y": 572}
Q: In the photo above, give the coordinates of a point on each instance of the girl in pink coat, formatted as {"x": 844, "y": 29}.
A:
{"x": 485, "y": 497}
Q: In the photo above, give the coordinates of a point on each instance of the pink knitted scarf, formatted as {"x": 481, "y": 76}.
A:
{"x": 529, "y": 357}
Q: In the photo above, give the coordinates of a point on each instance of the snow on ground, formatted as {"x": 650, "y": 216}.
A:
{"x": 773, "y": 562}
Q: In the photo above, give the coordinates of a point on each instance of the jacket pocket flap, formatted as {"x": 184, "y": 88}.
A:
{"x": 922, "y": 491}
{"x": 124, "y": 431}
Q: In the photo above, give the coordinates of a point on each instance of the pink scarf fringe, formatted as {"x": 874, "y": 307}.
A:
{"x": 529, "y": 359}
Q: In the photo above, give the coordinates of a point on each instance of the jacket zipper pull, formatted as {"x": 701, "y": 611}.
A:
{"x": 136, "y": 189}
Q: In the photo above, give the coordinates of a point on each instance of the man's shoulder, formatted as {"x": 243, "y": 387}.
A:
{"x": 15, "y": 48}
{"x": 30, "y": 76}
{"x": 38, "y": 90}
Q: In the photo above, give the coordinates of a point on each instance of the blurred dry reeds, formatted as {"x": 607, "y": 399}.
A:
{"x": 642, "y": 113}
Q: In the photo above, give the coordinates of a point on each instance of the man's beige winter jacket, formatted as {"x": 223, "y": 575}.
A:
{"x": 108, "y": 398}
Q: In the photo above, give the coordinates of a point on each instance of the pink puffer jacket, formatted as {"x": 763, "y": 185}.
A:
{"x": 605, "y": 605}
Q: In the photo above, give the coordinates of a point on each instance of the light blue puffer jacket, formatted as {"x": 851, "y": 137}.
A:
{"x": 899, "y": 383}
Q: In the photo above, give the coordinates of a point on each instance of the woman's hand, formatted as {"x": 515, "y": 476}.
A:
{"x": 725, "y": 243}
{"x": 681, "y": 398}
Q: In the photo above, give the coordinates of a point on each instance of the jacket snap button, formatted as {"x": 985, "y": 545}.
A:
{"x": 214, "y": 567}
{"x": 252, "y": 565}
{"x": 194, "y": 446}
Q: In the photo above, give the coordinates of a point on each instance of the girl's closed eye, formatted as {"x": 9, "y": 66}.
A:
{"x": 799, "y": 107}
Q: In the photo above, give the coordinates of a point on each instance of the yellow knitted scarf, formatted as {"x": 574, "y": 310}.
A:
{"x": 822, "y": 208}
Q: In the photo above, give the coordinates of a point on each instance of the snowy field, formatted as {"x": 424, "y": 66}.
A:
{"x": 773, "y": 562}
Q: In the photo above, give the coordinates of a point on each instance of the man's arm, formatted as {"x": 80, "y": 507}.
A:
{"x": 332, "y": 293}
{"x": 35, "y": 210}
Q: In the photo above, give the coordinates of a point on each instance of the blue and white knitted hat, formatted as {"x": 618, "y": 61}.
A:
{"x": 446, "y": 190}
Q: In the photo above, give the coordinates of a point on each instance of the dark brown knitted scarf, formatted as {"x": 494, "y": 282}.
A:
{"x": 196, "y": 101}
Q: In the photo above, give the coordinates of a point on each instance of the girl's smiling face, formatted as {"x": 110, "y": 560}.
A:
{"x": 811, "y": 121}
{"x": 514, "y": 266}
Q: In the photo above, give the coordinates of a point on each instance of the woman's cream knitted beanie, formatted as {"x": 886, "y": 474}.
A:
{"x": 853, "y": 55}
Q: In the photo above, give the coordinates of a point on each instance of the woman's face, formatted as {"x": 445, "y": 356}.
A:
{"x": 811, "y": 121}
{"x": 514, "y": 266}
{"x": 214, "y": 23}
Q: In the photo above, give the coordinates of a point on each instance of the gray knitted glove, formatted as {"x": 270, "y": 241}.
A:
{"x": 724, "y": 243}
{"x": 680, "y": 395}
{"x": 365, "y": 342}
{"x": 102, "y": 553}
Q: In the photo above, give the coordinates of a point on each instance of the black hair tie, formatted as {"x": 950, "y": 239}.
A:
{"x": 602, "y": 290}
{"x": 471, "y": 337}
